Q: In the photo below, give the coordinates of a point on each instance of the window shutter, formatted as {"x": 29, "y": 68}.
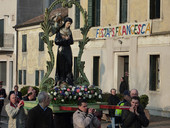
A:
{"x": 24, "y": 43}
{"x": 42, "y": 74}
{"x": 152, "y": 80}
{"x": 77, "y": 17}
{"x": 123, "y": 11}
{"x": 20, "y": 76}
{"x": 24, "y": 77}
{"x": 37, "y": 77}
{"x": 97, "y": 13}
{"x": 41, "y": 43}
{"x": 96, "y": 71}
{"x": 1, "y": 32}
{"x": 90, "y": 12}
{"x": 154, "y": 9}
{"x": 157, "y": 8}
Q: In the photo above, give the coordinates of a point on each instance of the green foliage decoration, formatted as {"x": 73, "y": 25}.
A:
{"x": 144, "y": 100}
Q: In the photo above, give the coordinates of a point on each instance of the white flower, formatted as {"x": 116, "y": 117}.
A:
{"x": 70, "y": 97}
{"x": 82, "y": 88}
{"x": 73, "y": 88}
{"x": 51, "y": 92}
{"x": 48, "y": 93}
{"x": 80, "y": 93}
{"x": 90, "y": 96}
{"x": 100, "y": 96}
{"x": 74, "y": 97}
{"x": 55, "y": 93}
{"x": 62, "y": 100}
{"x": 66, "y": 93}
{"x": 95, "y": 93}
{"x": 64, "y": 89}
{"x": 88, "y": 92}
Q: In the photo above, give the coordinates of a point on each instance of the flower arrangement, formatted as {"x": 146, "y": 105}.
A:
{"x": 70, "y": 94}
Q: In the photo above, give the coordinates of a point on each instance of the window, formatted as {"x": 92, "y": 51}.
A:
{"x": 154, "y": 72}
{"x": 154, "y": 9}
{"x": 1, "y": 32}
{"x": 123, "y": 11}
{"x": 22, "y": 77}
{"x": 96, "y": 70}
{"x": 41, "y": 43}
{"x": 24, "y": 43}
{"x": 77, "y": 16}
{"x": 3, "y": 72}
{"x": 76, "y": 71}
{"x": 39, "y": 74}
{"x": 94, "y": 12}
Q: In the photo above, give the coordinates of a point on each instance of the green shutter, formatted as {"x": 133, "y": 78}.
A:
{"x": 96, "y": 71}
{"x": 20, "y": 77}
{"x": 123, "y": 11}
{"x": 157, "y": 9}
{"x": 154, "y": 9}
{"x": 97, "y": 15}
{"x": 1, "y": 32}
{"x": 152, "y": 75}
{"x": 24, "y": 77}
{"x": 42, "y": 74}
{"x": 41, "y": 43}
{"x": 76, "y": 71}
{"x": 77, "y": 17}
{"x": 37, "y": 77}
{"x": 90, "y": 12}
{"x": 24, "y": 43}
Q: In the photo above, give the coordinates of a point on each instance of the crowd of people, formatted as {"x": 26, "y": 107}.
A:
{"x": 15, "y": 111}
{"x": 132, "y": 118}
{"x": 41, "y": 116}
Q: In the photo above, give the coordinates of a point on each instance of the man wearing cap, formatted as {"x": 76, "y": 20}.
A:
{"x": 2, "y": 96}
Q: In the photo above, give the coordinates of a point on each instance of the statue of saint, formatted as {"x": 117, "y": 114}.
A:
{"x": 64, "y": 56}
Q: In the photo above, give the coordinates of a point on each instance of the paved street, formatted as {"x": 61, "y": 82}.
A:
{"x": 155, "y": 121}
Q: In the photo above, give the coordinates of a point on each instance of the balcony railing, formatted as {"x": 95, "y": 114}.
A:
{"x": 7, "y": 42}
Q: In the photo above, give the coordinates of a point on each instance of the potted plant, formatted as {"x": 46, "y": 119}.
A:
{"x": 144, "y": 100}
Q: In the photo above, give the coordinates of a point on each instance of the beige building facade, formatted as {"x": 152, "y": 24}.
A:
{"x": 8, "y": 43}
{"x": 128, "y": 38}
{"x": 132, "y": 42}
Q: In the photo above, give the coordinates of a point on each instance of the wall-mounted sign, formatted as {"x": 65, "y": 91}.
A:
{"x": 136, "y": 29}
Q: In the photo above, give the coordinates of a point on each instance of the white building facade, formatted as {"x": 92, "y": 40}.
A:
{"x": 128, "y": 38}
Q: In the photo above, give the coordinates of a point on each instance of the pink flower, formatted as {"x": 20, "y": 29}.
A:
{"x": 78, "y": 90}
{"x": 92, "y": 91}
{"x": 68, "y": 89}
{"x": 55, "y": 99}
{"x": 60, "y": 91}
{"x": 85, "y": 89}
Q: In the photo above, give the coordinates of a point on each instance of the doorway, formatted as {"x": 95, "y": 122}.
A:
{"x": 123, "y": 69}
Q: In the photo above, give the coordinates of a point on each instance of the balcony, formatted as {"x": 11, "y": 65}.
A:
{"x": 7, "y": 42}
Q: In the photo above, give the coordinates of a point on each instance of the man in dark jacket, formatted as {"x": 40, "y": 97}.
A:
{"x": 135, "y": 116}
{"x": 112, "y": 100}
{"x": 41, "y": 116}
